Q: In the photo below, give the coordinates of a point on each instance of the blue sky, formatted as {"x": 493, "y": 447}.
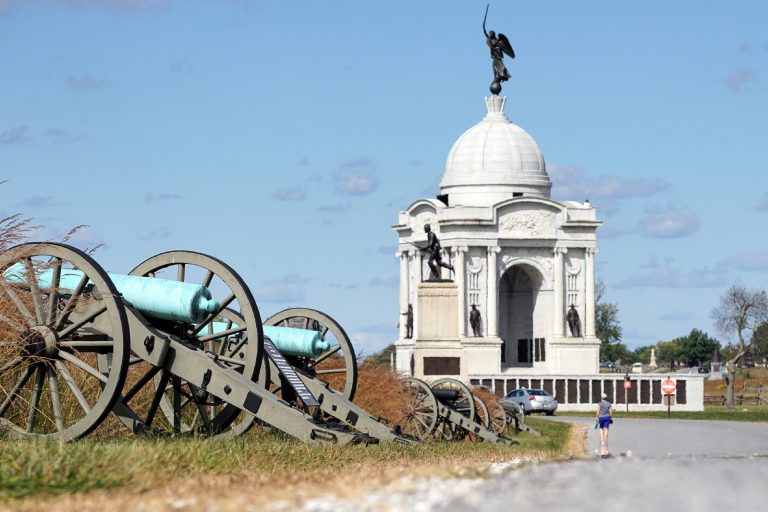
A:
{"x": 283, "y": 137}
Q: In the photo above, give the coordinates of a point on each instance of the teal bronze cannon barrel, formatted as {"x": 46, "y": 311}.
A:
{"x": 155, "y": 298}
{"x": 297, "y": 342}
{"x": 290, "y": 341}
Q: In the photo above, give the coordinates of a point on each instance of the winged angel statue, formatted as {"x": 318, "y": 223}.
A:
{"x": 499, "y": 45}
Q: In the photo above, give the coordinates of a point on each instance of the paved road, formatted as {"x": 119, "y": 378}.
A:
{"x": 676, "y": 465}
{"x": 669, "y": 438}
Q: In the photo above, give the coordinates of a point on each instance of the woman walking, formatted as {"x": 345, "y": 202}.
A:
{"x": 603, "y": 420}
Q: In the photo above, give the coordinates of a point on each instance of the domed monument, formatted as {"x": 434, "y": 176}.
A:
{"x": 501, "y": 285}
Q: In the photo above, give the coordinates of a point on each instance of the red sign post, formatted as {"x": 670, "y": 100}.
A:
{"x": 668, "y": 387}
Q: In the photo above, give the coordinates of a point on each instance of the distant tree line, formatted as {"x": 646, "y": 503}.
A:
{"x": 742, "y": 314}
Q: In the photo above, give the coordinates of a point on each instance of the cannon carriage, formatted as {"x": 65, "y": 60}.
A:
{"x": 328, "y": 376}
{"x": 448, "y": 410}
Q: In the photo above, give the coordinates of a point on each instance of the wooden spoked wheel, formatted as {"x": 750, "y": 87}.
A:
{"x": 482, "y": 413}
{"x": 336, "y": 366}
{"x": 420, "y": 417}
{"x": 498, "y": 417}
{"x": 60, "y": 315}
{"x": 464, "y": 403}
{"x": 184, "y": 408}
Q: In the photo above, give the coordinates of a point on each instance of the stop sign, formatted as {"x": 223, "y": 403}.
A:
{"x": 668, "y": 386}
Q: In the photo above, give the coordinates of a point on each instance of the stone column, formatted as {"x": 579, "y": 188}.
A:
{"x": 461, "y": 273}
{"x": 559, "y": 271}
{"x": 493, "y": 294}
{"x": 416, "y": 267}
{"x": 403, "y": 255}
{"x": 589, "y": 313}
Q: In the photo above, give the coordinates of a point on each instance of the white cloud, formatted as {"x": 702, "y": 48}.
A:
{"x": 333, "y": 208}
{"x": 610, "y": 233}
{"x": 664, "y": 275}
{"x": 669, "y": 223}
{"x": 287, "y": 289}
{"x": 741, "y": 80}
{"x": 762, "y": 204}
{"x": 289, "y": 194}
{"x": 14, "y": 135}
{"x": 87, "y": 82}
{"x": 63, "y": 136}
{"x": 372, "y": 338}
{"x": 162, "y": 196}
{"x": 40, "y": 202}
{"x": 181, "y": 67}
{"x": 678, "y": 316}
{"x": 160, "y": 233}
{"x": 756, "y": 261}
{"x": 388, "y": 282}
{"x": 357, "y": 177}
{"x": 572, "y": 183}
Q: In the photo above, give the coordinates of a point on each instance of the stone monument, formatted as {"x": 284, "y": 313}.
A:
{"x": 522, "y": 258}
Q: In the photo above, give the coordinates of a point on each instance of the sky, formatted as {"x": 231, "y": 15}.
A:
{"x": 284, "y": 137}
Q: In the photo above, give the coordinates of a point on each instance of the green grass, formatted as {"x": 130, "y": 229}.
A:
{"x": 30, "y": 468}
{"x": 711, "y": 412}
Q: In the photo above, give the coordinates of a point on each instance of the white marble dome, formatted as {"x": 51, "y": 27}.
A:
{"x": 493, "y": 161}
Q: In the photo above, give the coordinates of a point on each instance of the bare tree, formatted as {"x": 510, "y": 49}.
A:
{"x": 740, "y": 312}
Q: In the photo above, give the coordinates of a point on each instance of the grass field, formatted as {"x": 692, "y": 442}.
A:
{"x": 46, "y": 468}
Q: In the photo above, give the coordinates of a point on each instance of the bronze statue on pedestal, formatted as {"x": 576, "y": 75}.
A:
{"x": 499, "y": 45}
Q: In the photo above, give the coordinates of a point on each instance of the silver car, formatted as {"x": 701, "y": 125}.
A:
{"x": 533, "y": 400}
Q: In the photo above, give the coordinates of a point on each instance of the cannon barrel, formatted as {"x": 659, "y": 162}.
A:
{"x": 155, "y": 298}
{"x": 289, "y": 341}
{"x": 297, "y": 342}
{"x": 446, "y": 395}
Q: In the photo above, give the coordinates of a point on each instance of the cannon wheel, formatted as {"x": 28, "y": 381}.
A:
{"x": 420, "y": 417}
{"x": 483, "y": 416}
{"x": 50, "y": 341}
{"x": 337, "y": 366}
{"x": 464, "y": 405}
{"x": 184, "y": 410}
{"x": 466, "y": 401}
{"x": 498, "y": 418}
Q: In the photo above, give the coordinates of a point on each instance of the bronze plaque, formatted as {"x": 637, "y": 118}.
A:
{"x": 442, "y": 365}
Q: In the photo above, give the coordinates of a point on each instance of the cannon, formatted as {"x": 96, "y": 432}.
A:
{"x": 445, "y": 410}
{"x": 328, "y": 375}
{"x": 75, "y": 348}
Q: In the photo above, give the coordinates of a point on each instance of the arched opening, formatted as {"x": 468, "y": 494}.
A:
{"x": 518, "y": 292}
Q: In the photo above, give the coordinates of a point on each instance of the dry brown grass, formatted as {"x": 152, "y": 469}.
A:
{"x": 747, "y": 379}
{"x": 486, "y": 396}
{"x": 381, "y": 392}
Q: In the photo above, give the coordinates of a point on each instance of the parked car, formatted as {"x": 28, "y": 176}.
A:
{"x": 531, "y": 400}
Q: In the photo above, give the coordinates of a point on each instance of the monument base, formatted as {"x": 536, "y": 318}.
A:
{"x": 437, "y": 311}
